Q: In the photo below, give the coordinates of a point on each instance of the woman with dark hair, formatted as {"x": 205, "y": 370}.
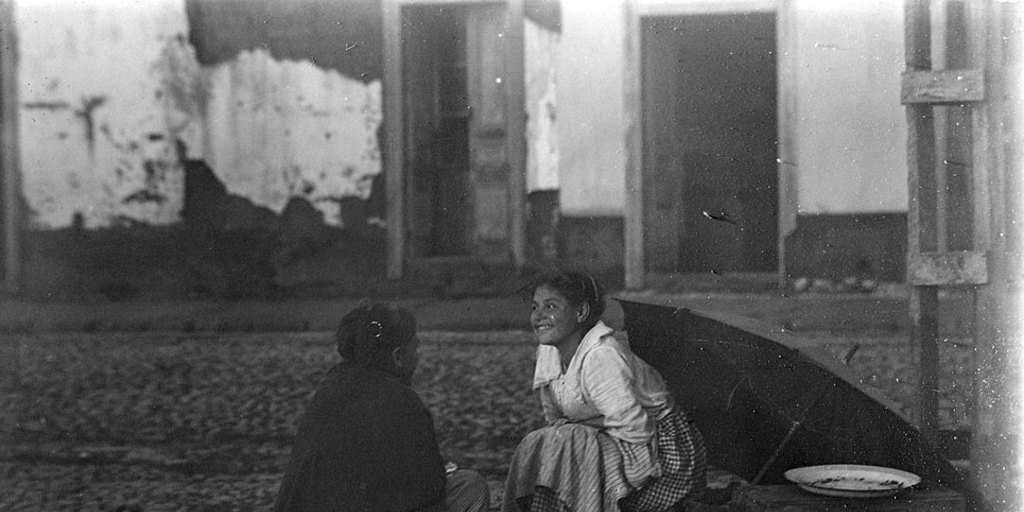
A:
{"x": 366, "y": 441}
{"x": 614, "y": 439}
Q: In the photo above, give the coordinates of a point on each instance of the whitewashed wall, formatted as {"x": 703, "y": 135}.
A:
{"x": 851, "y": 134}
{"x": 591, "y": 122}
{"x": 541, "y": 48}
{"x": 283, "y": 129}
{"x": 851, "y": 130}
{"x": 106, "y": 87}
{"x": 96, "y": 120}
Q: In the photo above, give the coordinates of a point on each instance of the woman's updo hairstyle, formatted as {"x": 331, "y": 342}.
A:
{"x": 577, "y": 287}
{"x": 368, "y": 334}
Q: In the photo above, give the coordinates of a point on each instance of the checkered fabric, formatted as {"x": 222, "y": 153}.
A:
{"x": 683, "y": 460}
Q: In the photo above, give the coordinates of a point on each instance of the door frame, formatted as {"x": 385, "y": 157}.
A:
{"x": 394, "y": 128}
{"x": 10, "y": 160}
{"x": 635, "y": 264}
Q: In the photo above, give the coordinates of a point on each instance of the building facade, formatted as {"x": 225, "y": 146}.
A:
{"x": 197, "y": 146}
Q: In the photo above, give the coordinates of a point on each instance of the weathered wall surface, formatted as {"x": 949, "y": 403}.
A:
{"x": 851, "y": 134}
{"x": 97, "y": 120}
{"x": 591, "y": 124}
{"x": 541, "y": 47}
{"x": 282, "y": 129}
{"x": 107, "y": 88}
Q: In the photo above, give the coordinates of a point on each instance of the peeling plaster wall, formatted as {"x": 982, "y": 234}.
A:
{"x": 541, "y": 141}
{"x": 283, "y": 129}
{"x": 96, "y": 118}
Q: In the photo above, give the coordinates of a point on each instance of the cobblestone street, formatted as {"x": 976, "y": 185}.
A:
{"x": 176, "y": 421}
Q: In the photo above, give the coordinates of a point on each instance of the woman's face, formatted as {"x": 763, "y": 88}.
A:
{"x": 553, "y": 318}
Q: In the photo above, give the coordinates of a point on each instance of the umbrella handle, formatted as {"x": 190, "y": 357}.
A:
{"x": 818, "y": 392}
{"x": 775, "y": 454}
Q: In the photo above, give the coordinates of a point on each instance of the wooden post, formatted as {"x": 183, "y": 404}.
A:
{"x": 10, "y": 169}
{"x": 633, "y": 230}
{"x": 515, "y": 83}
{"x": 921, "y": 216}
{"x": 999, "y": 346}
{"x": 788, "y": 121}
{"x": 394, "y": 135}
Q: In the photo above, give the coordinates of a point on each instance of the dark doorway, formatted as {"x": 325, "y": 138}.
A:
{"x": 709, "y": 143}
{"x": 437, "y": 107}
{"x": 455, "y": 127}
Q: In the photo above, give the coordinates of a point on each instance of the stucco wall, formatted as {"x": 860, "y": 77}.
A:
{"x": 591, "y": 124}
{"x": 106, "y": 88}
{"x": 542, "y": 149}
{"x": 851, "y": 133}
{"x": 282, "y": 129}
{"x": 97, "y": 119}
{"x": 851, "y": 130}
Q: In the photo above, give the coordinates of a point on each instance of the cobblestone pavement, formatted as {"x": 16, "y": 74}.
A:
{"x": 155, "y": 421}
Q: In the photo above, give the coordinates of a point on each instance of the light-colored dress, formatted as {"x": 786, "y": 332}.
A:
{"x": 605, "y": 414}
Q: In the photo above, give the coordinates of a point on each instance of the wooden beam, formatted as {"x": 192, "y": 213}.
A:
{"x": 394, "y": 137}
{"x": 938, "y": 87}
{"x": 947, "y": 268}
{"x": 921, "y": 216}
{"x": 999, "y": 341}
{"x": 981, "y": 149}
{"x": 10, "y": 167}
{"x": 635, "y": 266}
{"x": 788, "y": 123}
{"x": 515, "y": 120}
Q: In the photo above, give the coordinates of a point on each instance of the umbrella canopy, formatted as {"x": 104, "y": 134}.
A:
{"x": 767, "y": 401}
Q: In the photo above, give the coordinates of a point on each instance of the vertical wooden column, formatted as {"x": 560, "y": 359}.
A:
{"x": 394, "y": 136}
{"x": 633, "y": 229}
{"x": 10, "y": 168}
{"x": 921, "y": 216}
{"x": 998, "y": 414}
{"x": 516, "y": 127}
{"x": 788, "y": 121}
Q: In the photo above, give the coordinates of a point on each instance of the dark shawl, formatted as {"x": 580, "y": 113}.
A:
{"x": 366, "y": 443}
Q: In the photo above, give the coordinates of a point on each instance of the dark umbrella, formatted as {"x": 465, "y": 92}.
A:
{"x": 767, "y": 401}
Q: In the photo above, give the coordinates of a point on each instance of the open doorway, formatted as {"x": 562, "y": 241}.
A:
{"x": 454, "y": 98}
{"x": 709, "y": 143}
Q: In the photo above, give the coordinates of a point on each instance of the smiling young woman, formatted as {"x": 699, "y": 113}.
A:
{"x": 614, "y": 439}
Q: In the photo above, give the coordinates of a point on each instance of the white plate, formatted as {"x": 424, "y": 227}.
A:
{"x": 852, "y": 481}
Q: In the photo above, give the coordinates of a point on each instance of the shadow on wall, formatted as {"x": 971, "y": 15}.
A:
{"x": 225, "y": 246}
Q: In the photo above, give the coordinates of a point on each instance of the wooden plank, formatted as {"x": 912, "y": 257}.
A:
{"x": 516, "y": 127}
{"x": 936, "y": 87}
{"x": 788, "y": 121}
{"x": 947, "y": 268}
{"x": 921, "y": 217}
{"x": 996, "y": 411}
{"x": 790, "y": 498}
{"x": 633, "y": 228}
{"x": 394, "y": 150}
{"x": 10, "y": 166}
{"x": 980, "y": 146}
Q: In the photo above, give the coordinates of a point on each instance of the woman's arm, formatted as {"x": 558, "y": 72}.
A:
{"x": 607, "y": 381}
{"x": 552, "y": 412}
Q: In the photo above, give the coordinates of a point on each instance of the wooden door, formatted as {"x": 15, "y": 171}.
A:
{"x": 488, "y": 131}
{"x": 456, "y": 131}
